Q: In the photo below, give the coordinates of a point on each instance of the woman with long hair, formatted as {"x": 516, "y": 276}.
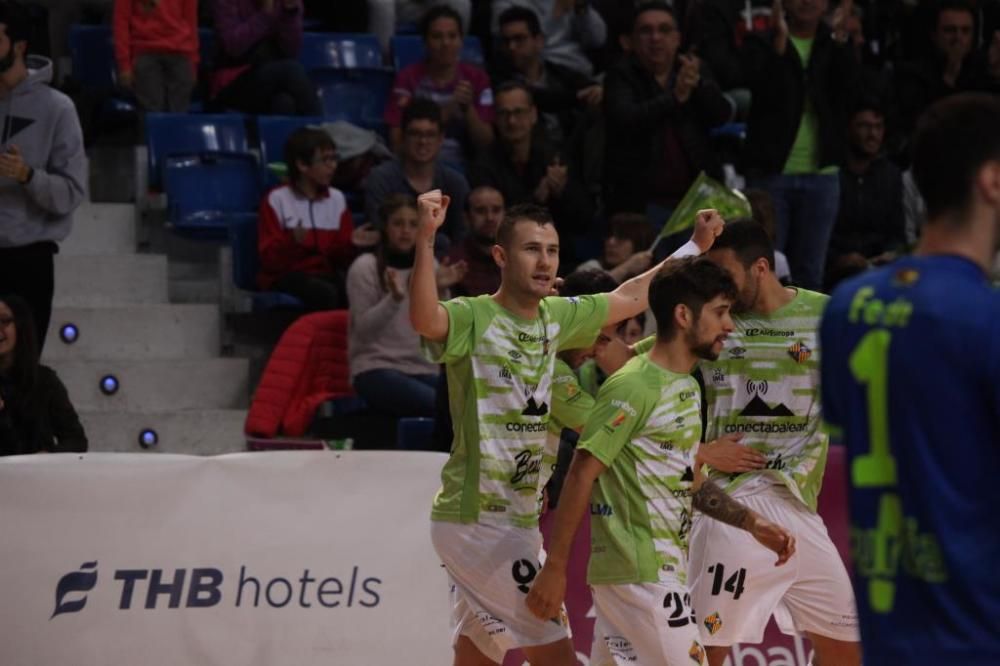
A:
{"x": 35, "y": 411}
{"x": 388, "y": 369}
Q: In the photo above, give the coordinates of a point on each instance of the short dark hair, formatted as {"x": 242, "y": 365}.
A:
{"x": 24, "y": 370}
{"x": 521, "y": 213}
{"x": 867, "y": 103}
{"x": 587, "y": 281}
{"x": 748, "y": 240}
{"x": 954, "y": 138}
{"x": 509, "y": 86}
{"x": 436, "y": 12}
{"x": 391, "y": 204}
{"x": 951, "y": 6}
{"x": 525, "y": 15}
{"x": 651, "y": 6}
{"x": 302, "y": 145}
{"x": 634, "y": 227}
{"x": 422, "y": 108}
{"x": 17, "y": 20}
{"x": 693, "y": 281}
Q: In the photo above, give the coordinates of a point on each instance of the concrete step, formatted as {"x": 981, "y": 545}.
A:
{"x": 102, "y": 281}
{"x": 101, "y": 228}
{"x": 200, "y": 432}
{"x": 158, "y": 386}
{"x": 194, "y": 291}
{"x": 136, "y": 332}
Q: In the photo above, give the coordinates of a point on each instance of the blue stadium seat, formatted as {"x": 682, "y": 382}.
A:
{"x": 357, "y": 96}
{"x": 93, "y": 56}
{"x": 272, "y": 133}
{"x": 205, "y": 191}
{"x": 408, "y": 49}
{"x": 185, "y": 134}
{"x": 246, "y": 263}
{"x": 415, "y": 434}
{"x": 331, "y": 50}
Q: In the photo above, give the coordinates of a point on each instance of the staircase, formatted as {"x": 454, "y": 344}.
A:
{"x": 153, "y": 323}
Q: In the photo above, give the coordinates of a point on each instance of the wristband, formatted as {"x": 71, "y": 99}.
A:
{"x": 689, "y": 249}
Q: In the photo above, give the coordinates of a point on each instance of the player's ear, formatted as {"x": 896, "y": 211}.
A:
{"x": 988, "y": 182}
{"x": 683, "y": 317}
{"x": 499, "y": 256}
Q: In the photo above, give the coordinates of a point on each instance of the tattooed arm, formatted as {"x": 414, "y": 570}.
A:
{"x": 716, "y": 503}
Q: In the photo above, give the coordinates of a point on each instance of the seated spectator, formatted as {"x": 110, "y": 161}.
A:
{"x": 626, "y": 248}
{"x": 659, "y": 106}
{"x": 462, "y": 90}
{"x": 484, "y": 209}
{"x": 388, "y": 369}
{"x": 570, "y": 28}
{"x": 871, "y": 228}
{"x": 307, "y": 237}
{"x": 35, "y": 411}
{"x": 526, "y": 168}
{"x": 563, "y": 95}
{"x": 156, "y": 49}
{"x": 419, "y": 167}
{"x": 385, "y": 16}
{"x": 950, "y": 66}
{"x": 256, "y": 70}
{"x": 802, "y": 76}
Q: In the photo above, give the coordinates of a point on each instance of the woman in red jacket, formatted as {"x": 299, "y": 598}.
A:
{"x": 306, "y": 235}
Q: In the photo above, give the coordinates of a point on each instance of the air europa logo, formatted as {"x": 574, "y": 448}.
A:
{"x": 72, "y": 583}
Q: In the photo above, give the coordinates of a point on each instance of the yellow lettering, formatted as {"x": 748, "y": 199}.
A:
{"x": 873, "y": 312}
{"x": 858, "y": 302}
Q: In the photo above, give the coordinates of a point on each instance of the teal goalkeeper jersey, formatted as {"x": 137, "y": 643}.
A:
{"x": 645, "y": 426}
{"x": 499, "y": 369}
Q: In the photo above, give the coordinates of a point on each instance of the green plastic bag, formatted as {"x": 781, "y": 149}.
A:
{"x": 705, "y": 192}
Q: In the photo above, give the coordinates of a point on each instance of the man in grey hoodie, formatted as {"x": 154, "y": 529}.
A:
{"x": 43, "y": 167}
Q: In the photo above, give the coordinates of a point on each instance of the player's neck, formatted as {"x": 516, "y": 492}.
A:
{"x": 675, "y": 355}
{"x": 772, "y": 295}
{"x": 525, "y": 307}
{"x": 975, "y": 242}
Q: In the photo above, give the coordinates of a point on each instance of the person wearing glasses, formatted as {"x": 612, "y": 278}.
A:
{"x": 419, "y": 168}
{"x": 660, "y": 105}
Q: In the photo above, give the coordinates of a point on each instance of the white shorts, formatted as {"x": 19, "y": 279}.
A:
{"x": 735, "y": 586}
{"x": 491, "y": 569}
{"x": 648, "y": 624}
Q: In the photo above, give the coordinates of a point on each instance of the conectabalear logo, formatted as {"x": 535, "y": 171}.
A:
{"x": 74, "y": 582}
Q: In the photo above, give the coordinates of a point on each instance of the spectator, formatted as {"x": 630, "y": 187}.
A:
{"x": 484, "y": 208}
{"x": 256, "y": 68}
{"x": 712, "y": 30}
{"x": 385, "y": 16}
{"x": 419, "y": 167}
{"x": 388, "y": 369}
{"x": 871, "y": 228}
{"x": 563, "y": 95}
{"x": 951, "y": 66}
{"x": 659, "y": 107}
{"x": 43, "y": 168}
{"x": 35, "y": 411}
{"x": 626, "y": 248}
{"x": 462, "y": 90}
{"x": 307, "y": 237}
{"x": 526, "y": 168}
{"x": 802, "y": 75}
{"x": 571, "y": 28}
{"x": 156, "y": 49}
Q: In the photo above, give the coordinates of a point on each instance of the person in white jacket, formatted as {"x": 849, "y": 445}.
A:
{"x": 388, "y": 369}
{"x": 43, "y": 167}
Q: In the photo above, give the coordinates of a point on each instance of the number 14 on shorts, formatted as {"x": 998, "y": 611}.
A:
{"x": 734, "y": 584}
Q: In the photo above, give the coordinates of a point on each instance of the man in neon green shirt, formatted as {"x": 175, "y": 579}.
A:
{"x": 499, "y": 351}
{"x": 639, "y": 447}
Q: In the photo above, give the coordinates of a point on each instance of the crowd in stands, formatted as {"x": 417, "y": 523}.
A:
{"x": 602, "y": 113}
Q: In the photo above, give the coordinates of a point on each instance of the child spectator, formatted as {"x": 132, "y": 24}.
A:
{"x": 388, "y": 369}
{"x": 257, "y": 70}
{"x": 156, "y": 49}
{"x": 307, "y": 237}
{"x": 462, "y": 90}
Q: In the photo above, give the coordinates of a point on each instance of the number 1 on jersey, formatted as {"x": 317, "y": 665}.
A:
{"x": 870, "y": 366}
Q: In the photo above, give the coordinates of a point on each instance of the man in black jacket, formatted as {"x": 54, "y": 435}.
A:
{"x": 802, "y": 77}
{"x": 659, "y": 106}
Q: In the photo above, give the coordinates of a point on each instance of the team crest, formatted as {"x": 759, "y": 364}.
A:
{"x": 697, "y": 653}
{"x": 619, "y": 419}
{"x": 799, "y": 352}
{"x": 571, "y": 390}
{"x": 713, "y": 623}
{"x": 906, "y": 277}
